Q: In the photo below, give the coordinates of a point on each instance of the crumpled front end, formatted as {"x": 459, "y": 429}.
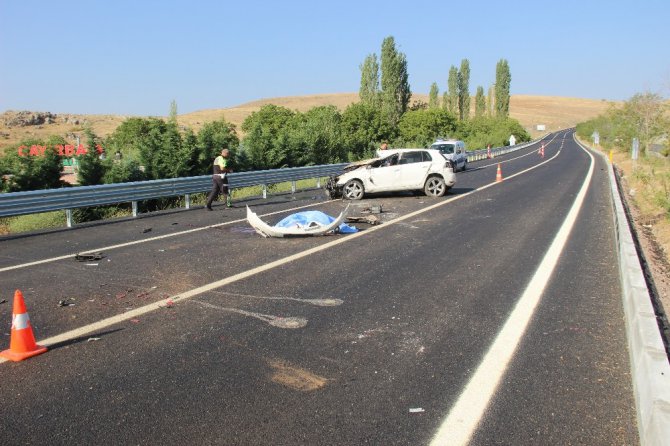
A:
{"x": 333, "y": 190}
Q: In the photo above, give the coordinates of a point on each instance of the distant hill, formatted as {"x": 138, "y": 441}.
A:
{"x": 554, "y": 112}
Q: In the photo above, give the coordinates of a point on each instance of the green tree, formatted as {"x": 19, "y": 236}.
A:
{"x": 647, "y": 112}
{"x": 452, "y": 83}
{"x": 480, "y": 102}
{"x": 464, "y": 90}
{"x": 445, "y": 100}
{"x": 91, "y": 167}
{"x": 212, "y": 138}
{"x": 422, "y": 127}
{"x": 502, "y": 89}
{"x": 363, "y": 128}
{"x": 369, "y": 90}
{"x": 433, "y": 97}
{"x": 262, "y": 144}
{"x": 479, "y": 132}
{"x": 316, "y": 137}
{"x": 395, "y": 90}
{"x": 123, "y": 171}
{"x": 490, "y": 101}
{"x": 172, "y": 117}
{"x": 27, "y": 172}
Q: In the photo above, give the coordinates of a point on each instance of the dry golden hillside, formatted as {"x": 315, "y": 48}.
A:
{"x": 554, "y": 112}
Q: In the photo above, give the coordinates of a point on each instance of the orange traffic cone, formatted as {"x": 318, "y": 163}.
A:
{"x": 499, "y": 177}
{"x": 22, "y": 344}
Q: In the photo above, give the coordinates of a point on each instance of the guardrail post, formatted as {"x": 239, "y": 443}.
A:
{"x": 68, "y": 216}
{"x": 265, "y": 191}
{"x": 134, "y": 203}
{"x": 187, "y": 199}
{"x": 293, "y": 186}
{"x": 318, "y": 182}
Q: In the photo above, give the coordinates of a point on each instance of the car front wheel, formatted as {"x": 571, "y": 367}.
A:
{"x": 435, "y": 187}
{"x": 353, "y": 190}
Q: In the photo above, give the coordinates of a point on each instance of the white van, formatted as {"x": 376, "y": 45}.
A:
{"x": 453, "y": 150}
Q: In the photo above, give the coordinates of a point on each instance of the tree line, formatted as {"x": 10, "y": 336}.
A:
{"x": 644, "y": 116}
{"x": 276, "y": 137}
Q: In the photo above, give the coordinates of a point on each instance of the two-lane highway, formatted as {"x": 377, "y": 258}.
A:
{"x": 489, "y": 316}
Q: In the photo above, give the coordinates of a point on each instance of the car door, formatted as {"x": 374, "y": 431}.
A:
{"x": 414, "y": 169}
{"x": 385, "y": 176}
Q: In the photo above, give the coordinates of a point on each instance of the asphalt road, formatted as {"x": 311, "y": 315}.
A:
{"x": 194, "y": 329}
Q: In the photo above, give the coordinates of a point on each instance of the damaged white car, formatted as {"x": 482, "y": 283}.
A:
{"x": 424, "y": 170}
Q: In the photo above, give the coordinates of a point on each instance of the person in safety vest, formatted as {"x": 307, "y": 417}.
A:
{"x": 220, "y": 179}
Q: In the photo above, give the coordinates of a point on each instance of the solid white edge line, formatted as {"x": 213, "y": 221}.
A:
{"x": 102, "y": 324}
{"x": 469, "y": 409}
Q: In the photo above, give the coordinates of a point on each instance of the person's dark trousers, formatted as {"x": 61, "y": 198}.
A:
{"x": 219, "y": 186}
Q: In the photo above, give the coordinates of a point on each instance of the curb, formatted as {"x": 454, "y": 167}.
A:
{"x": 650, "y": 369}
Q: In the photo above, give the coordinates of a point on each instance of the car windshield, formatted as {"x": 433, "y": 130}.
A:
{"x": 444, "y": 148}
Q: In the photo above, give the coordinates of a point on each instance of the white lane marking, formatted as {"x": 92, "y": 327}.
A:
{"x": 139, "y": 311}
{"x": 467, "y": 412}
{"x": 145, "y": 240}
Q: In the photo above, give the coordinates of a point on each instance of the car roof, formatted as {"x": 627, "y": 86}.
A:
{"x": 440, "y": 141}
{"x": 405, "y": 150}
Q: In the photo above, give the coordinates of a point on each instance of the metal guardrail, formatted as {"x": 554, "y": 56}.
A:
{"x": 483, "y": 154}
{"x": 33, "y": 202}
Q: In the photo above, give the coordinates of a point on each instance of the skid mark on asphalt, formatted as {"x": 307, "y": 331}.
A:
{"x": 275, "y": 321}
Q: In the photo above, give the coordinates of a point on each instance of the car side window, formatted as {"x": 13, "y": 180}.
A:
{"x": 412, "y": 157}
{"x": 427, "y": 157}
{"x": 390, "y": 161}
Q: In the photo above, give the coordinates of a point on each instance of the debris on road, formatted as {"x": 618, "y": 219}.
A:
{"x": 66, "y": 302}
{"x": 301, "y": 223}
{"x": 92, "y": 339}
{"x": 145, "y": 230}
{"x": 369, "y": 219}
{"x": 3, "y": 301}
{"x": 88, "y": 257}
{"x": 416, "y": 410}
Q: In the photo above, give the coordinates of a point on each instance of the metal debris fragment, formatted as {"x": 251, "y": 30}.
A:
{"x": 88, "y": 257}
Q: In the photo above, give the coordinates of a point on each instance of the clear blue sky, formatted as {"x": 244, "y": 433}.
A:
{"x": 135, "y": 57}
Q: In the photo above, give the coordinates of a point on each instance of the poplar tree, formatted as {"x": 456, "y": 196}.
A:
{"x": 503, "y": 81}
{"x": 480, "y": 102}
{"x": 452, "y": 83}
{"x": 464, "y": 90}
{"x": 172, "y": 117}
{"x": 433, "y": 98}
{"x": 369, "y": 90}
{"x": 395, "y": 92}
{"x": 490, "y": 100}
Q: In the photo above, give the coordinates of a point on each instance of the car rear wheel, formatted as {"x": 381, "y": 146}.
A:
{"x": 353, "y": 190}
{"x": 435, "y": 187}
